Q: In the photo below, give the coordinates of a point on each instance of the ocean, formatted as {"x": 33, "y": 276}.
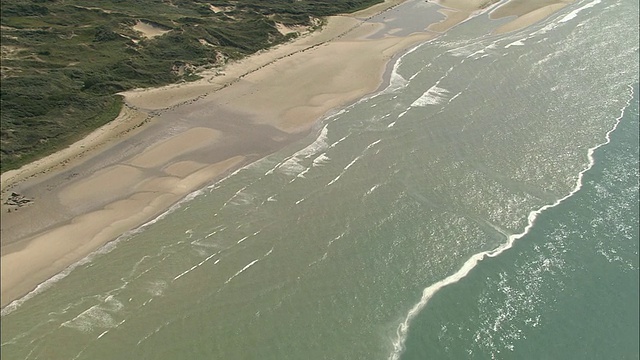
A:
{"x": 483, "y": 204}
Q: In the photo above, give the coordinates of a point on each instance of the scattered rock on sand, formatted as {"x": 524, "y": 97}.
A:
{"x": 18, "y": 200}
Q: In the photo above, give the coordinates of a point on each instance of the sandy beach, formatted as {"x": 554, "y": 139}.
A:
{"x": 171, "y": 141}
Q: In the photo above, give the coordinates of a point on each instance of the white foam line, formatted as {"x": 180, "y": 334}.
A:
{"x": 243, "y": 239}
{"x": 373, "y": 144}
{"x": 433, "y": 96}
{"x": 418, "y": 73}
{"x": 515, "y": 43}
{"x": 373, "y": 188}
{"x": 208, "y": 258}
{"x": 218, "y": 229}
{"x": 195, "y": 266}
{"x": 352, "y": 162}
{"x": 234, "y": 195}
{"x": 268, "y": 253}
{"x": 291, "y": 164}
{"x": 270, "y": 171}
{"x": 324, "y": 257}
{"x": 427, "y": 293}
{"x": 184, "y": 273}
{"x": 396, "y": 81}
{"x": 336, "y": 238}
{"x": 575, "y": 12}
{"x": 339, "y": 141}
{"x": 301, "y": 175}
{"x": 248, "y": 266}
{"x": 321, "y": 159}
{"x": 334, "y": 180}
{"x": 338, "y": 113}
{"x": 241, "y": 270}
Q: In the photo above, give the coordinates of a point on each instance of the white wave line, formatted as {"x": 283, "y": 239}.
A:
{"x": 339, "y": 141}
{"x": 268, "y": 253}
{"x": 249, "y": 265}
{"x": 234, "y": 195}
{"x": 373, "y": 188}
{"x": 301, "y": 175}
{"x": 428, "y": 292}
{"x": 352, "y": 162}
{"x": 334, "y": 180}
{"x": 337, "y": 238}
{"x": 195, "y": 266}
{"x": 241, "y": 270}
{"x": 321, "y": 159}
{"x": 344, "y": 170}
{"x": 575, "y": 12}
{"x": 270, "y": 171}
{"x": 318, "y": 144}
{"x": 373, "y": 144}
{"x": 218, "y": 229}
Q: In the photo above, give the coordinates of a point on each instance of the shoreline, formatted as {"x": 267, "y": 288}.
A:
{"x": 124, "y": 175}
{"x": 75, "y": 220}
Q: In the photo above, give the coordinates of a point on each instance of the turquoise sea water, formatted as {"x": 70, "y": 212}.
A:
{"x": 337, "y": 247}
{"x": 566, "y": 290}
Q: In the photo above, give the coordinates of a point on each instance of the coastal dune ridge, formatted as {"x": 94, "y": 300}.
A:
{"x": 170, "y": 142}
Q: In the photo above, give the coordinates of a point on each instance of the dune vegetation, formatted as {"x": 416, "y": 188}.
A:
{"x": 64, "y": 61}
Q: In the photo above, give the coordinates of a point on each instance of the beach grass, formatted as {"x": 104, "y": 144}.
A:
{"x": 63, "y": 62}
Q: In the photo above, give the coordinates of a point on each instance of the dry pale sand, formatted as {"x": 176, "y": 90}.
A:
{"x": 148, "y": 30}
{"x": 171, "y": 141}
{"x": 529, "y": 18}
{"x": 527, "y": 12}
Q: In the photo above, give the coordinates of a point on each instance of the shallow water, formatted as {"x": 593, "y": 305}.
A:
{"x": 322, "y": 249}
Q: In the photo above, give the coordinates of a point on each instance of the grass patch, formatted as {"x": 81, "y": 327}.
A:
{"x": 63, "y": 61}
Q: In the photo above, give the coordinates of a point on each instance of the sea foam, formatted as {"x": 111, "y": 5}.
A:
{"x": 428, "y": 292}
{"x": 433, "y": 96}
{"x": 575, "y": 12}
